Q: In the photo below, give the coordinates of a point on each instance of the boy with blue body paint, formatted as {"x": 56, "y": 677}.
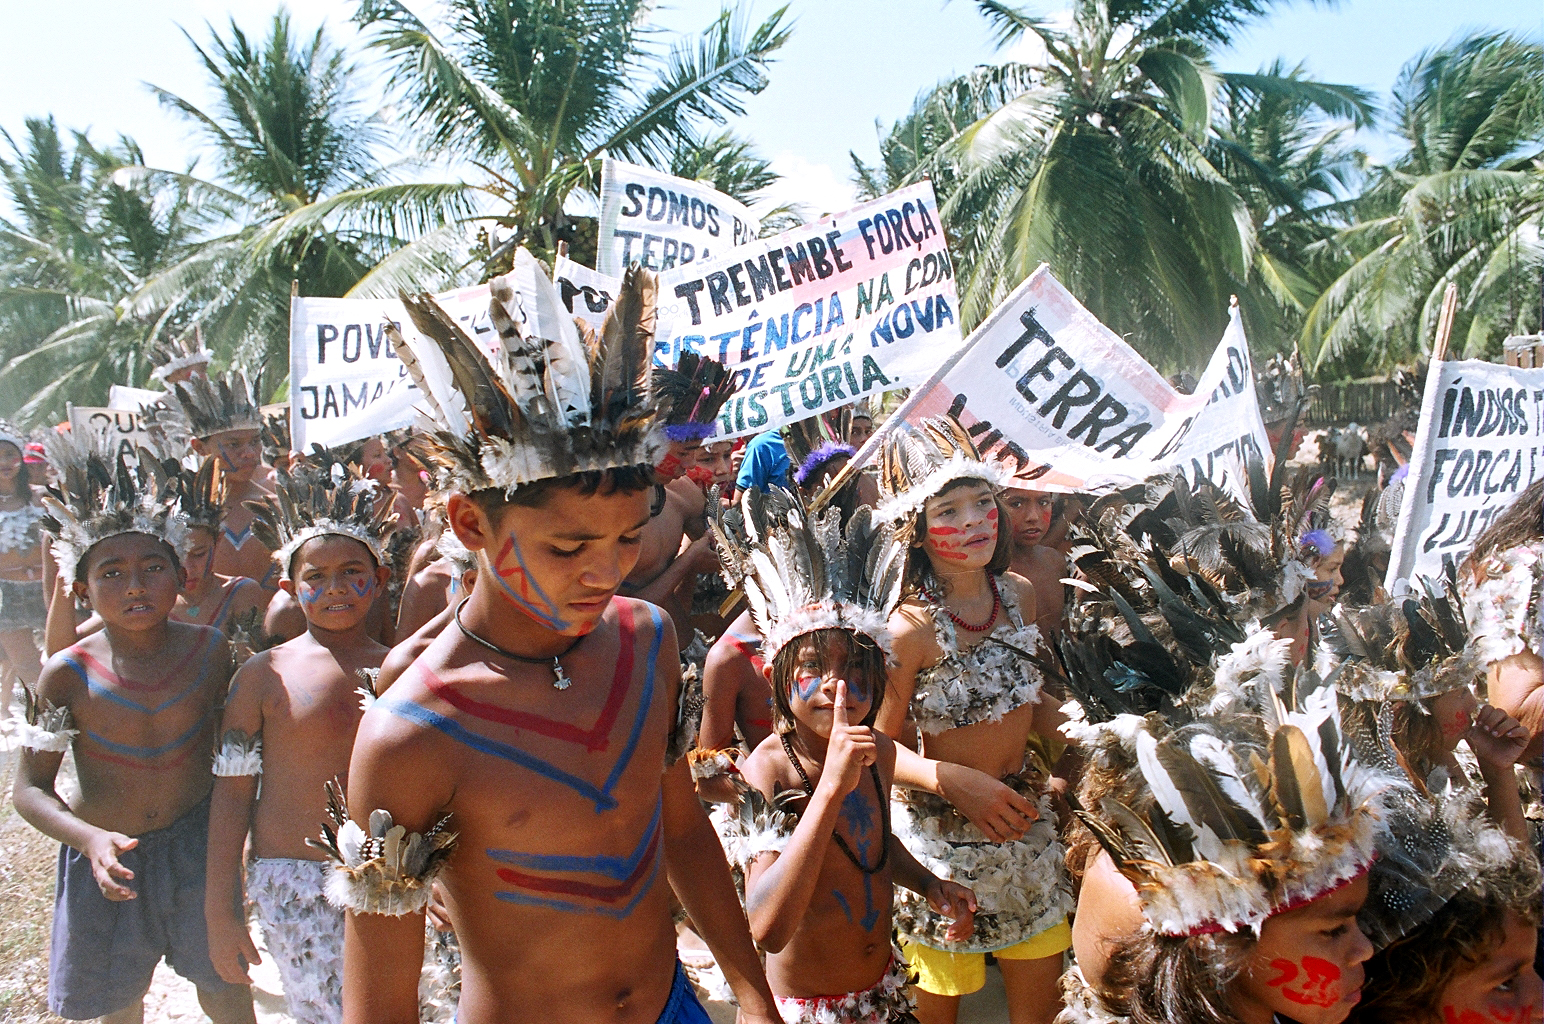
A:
{"x": 291, "y": 717}
{"x": 521, "y": 762}
{"x": 138, "y": 703}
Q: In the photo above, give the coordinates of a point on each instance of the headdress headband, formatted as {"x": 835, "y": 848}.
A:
{"x": 692, "y": 395}
{"x": 1406, "y": 649}
{"x": 202, "y": 407}
{"x": 918, "y": 461}
{"x": 178, "y": 354}
{"x": 812, "y": 443}
{"x": 802, "y": 572}
{"x": 551, "y": 403}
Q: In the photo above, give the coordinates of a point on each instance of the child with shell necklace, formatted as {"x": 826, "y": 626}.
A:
{"x": 963, "y": 682}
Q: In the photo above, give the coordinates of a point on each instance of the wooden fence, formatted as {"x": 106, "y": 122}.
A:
{"x": 1354, "y": 401}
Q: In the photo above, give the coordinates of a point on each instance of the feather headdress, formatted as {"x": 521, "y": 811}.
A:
{"x": 179, "y": 354}
{"x": 100, "y": 494}
{"x": 1238, "y": 814}
{"x": 201, "y": 407}
{"x": 551, "y": 402}
{"x": 11, "y": 434}
{"x": 814, "y": 442}
{"x": 691, "y": 396}
{"x": 802, "y": 572}
{"x": 1407, "y": 649}
{"x": 317, "y": 501}
{"x": 919, "y": 460}
{"x": 200, "y": 494}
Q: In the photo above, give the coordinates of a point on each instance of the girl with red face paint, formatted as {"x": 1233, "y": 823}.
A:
{"x": 971, "y": 807}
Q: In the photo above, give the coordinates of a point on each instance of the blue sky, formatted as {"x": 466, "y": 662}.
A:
{"x": 848, "y": 63}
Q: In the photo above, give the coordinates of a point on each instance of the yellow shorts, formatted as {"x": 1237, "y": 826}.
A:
{"x": 959, "y": 974}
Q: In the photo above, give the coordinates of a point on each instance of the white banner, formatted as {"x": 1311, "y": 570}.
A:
{"x": 586, "y": 293}
{"x": 345, "y": 380}
{"x": 853, "y": 305}
{"x": 1047, "y": 388}
{"x": 123, "y": 428}
{"x": 661, "y": 221}
{"x": 120, "y": 396}
{"x": 1480, "y": 443}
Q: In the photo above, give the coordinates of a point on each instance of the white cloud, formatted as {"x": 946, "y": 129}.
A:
{"x": 814, "y": 189}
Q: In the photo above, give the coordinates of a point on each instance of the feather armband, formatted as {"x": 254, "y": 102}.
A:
{"x": 367, "y": 694}
{"x": 387, "y": 871}
{"x": 711, "y": 764}
{"x": 239, "y": 754}
{"x": 41, "y": 726}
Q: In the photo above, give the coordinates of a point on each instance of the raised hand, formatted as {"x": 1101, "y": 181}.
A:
{"x": 991, "y": 805}
{"x": 1496, "y": 738}
{"x": 110, "y": 874}
{"x": 956, "y": 902}
{"x": 850, "y": 749}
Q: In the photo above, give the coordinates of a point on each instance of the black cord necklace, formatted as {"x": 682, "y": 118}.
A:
{"x": 884, "y": 812}
{"x": 561, "y": 682}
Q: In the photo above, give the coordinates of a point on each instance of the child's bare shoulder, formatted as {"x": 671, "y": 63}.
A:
{"x": 767, "y": 768}
{"x": 255, "y": 675}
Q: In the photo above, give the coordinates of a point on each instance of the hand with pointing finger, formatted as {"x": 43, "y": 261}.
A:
{"x": 849, "y": 750}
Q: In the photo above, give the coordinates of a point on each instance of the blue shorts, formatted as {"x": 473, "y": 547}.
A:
{"x": 104, "y": 952}
{"x": 682, "y": 1007}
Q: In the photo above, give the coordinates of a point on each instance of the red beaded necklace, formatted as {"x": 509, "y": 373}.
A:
{"x": 997, "y": 601}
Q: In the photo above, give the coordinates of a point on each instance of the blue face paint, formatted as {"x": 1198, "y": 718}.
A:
{"x": 309, "y": 594}
{"x": 364, "y": 590}
{"x": 511, "y": 572}
{"x": 807, "y": 686}
{"x": 858, "y": 688}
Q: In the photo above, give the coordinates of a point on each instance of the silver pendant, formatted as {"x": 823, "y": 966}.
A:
{"x": 562, "y": 682}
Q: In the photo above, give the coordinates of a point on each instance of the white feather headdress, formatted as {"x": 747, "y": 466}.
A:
{"x": 803, "y": 572}
{"x": 179, "y": 354}
{"x": 552, "y": 402}
{"x": 1406, "y": 649}
{"x": 101, "y": 495}
{"x": 919, "y": 460}
{"x": 201, "y": 407}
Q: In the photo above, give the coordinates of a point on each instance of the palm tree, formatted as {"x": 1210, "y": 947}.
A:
{"x": 535, "y": 92}
{"x": 301, "y": 196}
{"x": 84, "y": 237}
{"x": 1461, "y": 204}
{"x": 1096, "y": 160}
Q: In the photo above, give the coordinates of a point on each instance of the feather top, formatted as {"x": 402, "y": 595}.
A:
{"x": 312, "y": 502}
{"x": 386, "y": 870}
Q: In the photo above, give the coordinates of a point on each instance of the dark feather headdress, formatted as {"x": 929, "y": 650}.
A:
{"x": 101, "y": 494}
{"x": 802, "y": 571}
{"x": 550, "y": 402}
{"x": 201, "y": 493}
{"x": 201, "y": 407}
{"x": 919, "y": 460}
{"x": 180, "y": 353}
{"x": 691, "y": 396}
{"x": 317, "y": 501}
{"x": 1407, "y": 649}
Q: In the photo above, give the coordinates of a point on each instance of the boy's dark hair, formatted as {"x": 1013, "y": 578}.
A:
{"x": 1405, "y": 980}
{"x": 626, "y": 479}
{"x": 919, "y": 568}
{"x": 83, "y": 565}
{"x": 860, "y": 649}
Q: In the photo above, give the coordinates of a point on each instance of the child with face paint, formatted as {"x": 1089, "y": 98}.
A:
{"x": 812, "y": 834}
{"x": 527, "y": 755}
{"x": 1030, "y": 513}
{"x": 290, "y": 718}
{"x": 137, "y": 704}
{"x": 972, "y": 805}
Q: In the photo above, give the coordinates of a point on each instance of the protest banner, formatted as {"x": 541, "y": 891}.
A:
{"x": 856, "y": 304}
{"x": 586, "y": 293}
{"x": 1042, "y": 385}
{"x": 661, "y": 222}
{"x": 345, "y": 380}
{"x": 120, "y": 396}
{"x": 124, "y": 429}
{"x": 1480, "y": 443}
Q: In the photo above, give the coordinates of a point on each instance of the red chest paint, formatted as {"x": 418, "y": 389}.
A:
{"x": 1308, "y": 982}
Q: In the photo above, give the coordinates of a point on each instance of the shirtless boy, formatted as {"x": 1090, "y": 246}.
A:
{"x": 666, "y": 573}
{"x": 1029, "y": 515}
{"x": 226, "y": 424}
{"x": 290, "y": 718}
{"x": 138, "y": 703}
{"x": 539, "y": 723}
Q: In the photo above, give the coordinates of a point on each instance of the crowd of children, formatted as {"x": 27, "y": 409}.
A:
{"x": 504, "y": 717}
